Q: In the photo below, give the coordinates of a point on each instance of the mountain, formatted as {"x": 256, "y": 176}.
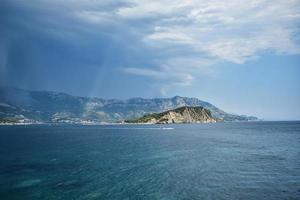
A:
{"x": 17, "y": 105}
{"x": 185, "y": 114}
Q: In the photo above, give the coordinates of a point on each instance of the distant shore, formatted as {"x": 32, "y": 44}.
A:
{"x": 112, "y": 123}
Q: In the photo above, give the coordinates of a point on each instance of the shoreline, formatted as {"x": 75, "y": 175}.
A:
{"x": 122, "y": 123}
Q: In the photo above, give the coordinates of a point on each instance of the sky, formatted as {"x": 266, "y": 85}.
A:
{"x": 242, "y": 57}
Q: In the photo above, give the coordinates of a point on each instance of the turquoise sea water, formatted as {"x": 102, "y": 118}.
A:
{"x": 255, "y": 160}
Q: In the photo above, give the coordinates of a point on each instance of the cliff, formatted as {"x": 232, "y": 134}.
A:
{"x": 183, "y": 114}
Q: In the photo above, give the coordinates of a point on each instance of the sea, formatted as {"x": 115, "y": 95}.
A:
{"x": 238, "y": 160}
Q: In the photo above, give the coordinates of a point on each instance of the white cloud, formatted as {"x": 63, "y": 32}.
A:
{"x": 240, "y": 49}
{"x": 171, "y": 36}
{"x": 175, "y": 72}
{"x": 166, "y": 73}
{"x": 185, "y": 38}
{"x": 231, "y": 30}
{"x": 96, "y": 17}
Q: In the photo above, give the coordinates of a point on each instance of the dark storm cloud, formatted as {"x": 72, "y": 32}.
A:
{"x": 106, "y": 48}
{"x": 57, "y": 45}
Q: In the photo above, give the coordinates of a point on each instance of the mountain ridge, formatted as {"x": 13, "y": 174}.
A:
{"x": 57, "y": 107}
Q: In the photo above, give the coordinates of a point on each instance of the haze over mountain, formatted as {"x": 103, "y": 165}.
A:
{"x": 52, "y": 107}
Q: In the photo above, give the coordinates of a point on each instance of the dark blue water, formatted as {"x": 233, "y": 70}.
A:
{"x": 255, "y": 160}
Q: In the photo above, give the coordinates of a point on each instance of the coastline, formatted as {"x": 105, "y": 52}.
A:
{"x": 122, "y": 123}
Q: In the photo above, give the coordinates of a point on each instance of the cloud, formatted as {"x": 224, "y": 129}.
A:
{"x": 163, "y": 73}
{"x": 173, "y": 41}
{"x": 228, "y": 30}
{"x": 240, "y": 49}
{"x": 167, "y": 77}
